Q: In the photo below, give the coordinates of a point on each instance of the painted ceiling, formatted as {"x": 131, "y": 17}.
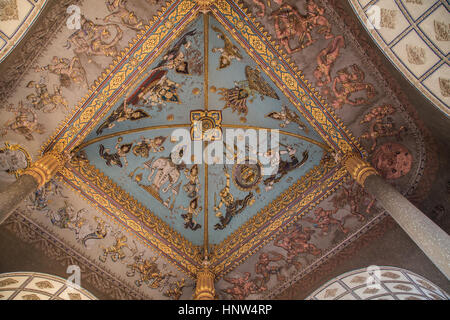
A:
{"x": 414, "y": 35}
{"x": 115, "y": 91}
{"x": 16, "y": 16}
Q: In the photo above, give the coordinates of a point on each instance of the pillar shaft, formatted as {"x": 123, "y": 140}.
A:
{"x": 33, "y": 178}
{"x": 431, "y": 239}
{"x": 14, "y": 194}
{"x": 428, "y": 236}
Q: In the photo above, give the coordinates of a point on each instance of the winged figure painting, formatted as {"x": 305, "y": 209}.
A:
{"x": 236, "y": 97}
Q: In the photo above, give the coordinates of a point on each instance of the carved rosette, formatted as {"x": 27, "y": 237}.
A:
{"x": 358, "y": 168}
{"x": 204, "y": 289}
{"x": 46, "y": 167}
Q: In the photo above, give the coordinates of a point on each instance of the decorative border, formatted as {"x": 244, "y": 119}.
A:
{"x": 143, "y": 50}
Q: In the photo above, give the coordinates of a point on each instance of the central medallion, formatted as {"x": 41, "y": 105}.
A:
{"x": 206, "y": 125}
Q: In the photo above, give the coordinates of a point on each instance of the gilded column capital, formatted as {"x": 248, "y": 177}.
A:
{"x": 46, "y": 167}
{"x": 357, "y": 167}
{"x": 204, "y": 289}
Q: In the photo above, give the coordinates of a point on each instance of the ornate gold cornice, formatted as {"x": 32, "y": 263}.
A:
{"x": 357, "y": 167}
{"x": 46, "y": 167}
{"x": 204, "y": 290}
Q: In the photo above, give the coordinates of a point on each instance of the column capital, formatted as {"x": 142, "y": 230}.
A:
{"x": 204, "y": 289}
{"x": 357, "y": 167}
{"x": 46, "y": 167}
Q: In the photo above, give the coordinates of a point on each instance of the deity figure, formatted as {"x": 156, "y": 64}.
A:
{"x": 176, "y": 289}
{"x": 381, "y": 125}
{"x": 67, "y": 218}
{"x": 284, "y": 167}
{"x": 324, "y": 218}
{"x": 228, "y": 52}
{"x": 68, "y": 70}
{"x": 25, "y": 122}
{"x": 101, "y": 231}
{"x": 148, "y": 271}
{"x": 242, "y": 287}
{"x": 236, "y": 98}
{"x": 142, "y": 148}
{"x": 290, "y": 24}
{"x": 349, "y": 81}
{"x": 192, "y": 187}
{"x": 118, "y": 9}
{"x": 356, "y": 198}
{"x": 95, "y": 39}
{"x": 40, "y": 198}
{"x": 316, "y": 17}
{"x": 116, "y": 251}
{"x": 117, "y": 157}
{"x": 122, "y": 113}
{"x": 44, "y": 100}
{"x": 297, "y": 241}
{"x": 265, "y": 269}
{"x": 191, "y": 212}
{"x": 286, "y": 116}
{"x": 326, "y": 59}
{"x": 233, "y": 207}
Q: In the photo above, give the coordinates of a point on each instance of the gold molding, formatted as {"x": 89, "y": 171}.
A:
{"x": 358, "y": 168}
{"x": 204, "y": 289}
{"x": 46, "y": 167}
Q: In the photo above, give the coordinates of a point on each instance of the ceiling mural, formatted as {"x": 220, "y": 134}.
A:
{"x": 16, "y": 16}
{"x": 116, "y": 92}
{"x": 415, "y": 36}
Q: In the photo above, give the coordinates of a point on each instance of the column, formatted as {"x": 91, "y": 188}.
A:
{"x": 431, "y": 239}
{"x": 204, "y": 289}
{"x": 32, "y": 179}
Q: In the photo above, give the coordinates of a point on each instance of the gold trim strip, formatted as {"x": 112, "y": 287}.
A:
{"x": 206, "y": 102}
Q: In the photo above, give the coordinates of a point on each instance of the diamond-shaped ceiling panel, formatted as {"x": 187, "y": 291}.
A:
{"x": 219, "y": 68}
